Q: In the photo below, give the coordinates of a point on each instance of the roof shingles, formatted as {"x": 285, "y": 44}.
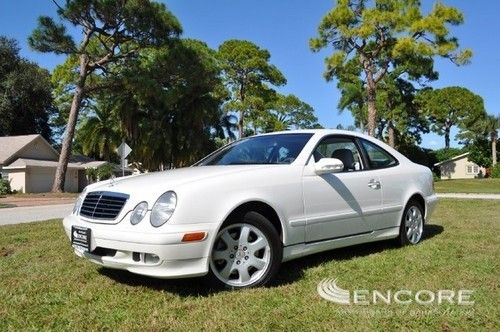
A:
{"x": 10, "y": 145}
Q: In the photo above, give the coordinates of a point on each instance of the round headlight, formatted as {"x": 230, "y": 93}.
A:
{"x": 79, "y": 201}
{"x": 163, "y": 208}
{"x": 139, "y": 212}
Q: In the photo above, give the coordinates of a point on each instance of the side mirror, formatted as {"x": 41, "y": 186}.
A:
{"x": 328, "y": 165}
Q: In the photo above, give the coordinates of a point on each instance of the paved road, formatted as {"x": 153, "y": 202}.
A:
{"x": 18, "y": 215}
{"x": 469, "y": 196}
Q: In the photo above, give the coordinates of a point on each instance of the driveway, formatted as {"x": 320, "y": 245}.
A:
{"x": 37, "y": 199}
{"x": 18, "y": 215}
{"x": 469, "y": 196}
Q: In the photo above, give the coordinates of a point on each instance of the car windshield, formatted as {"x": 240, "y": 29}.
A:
{"x": 266, "y": 149}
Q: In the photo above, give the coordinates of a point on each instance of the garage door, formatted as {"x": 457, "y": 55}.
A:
{"x": 40, "y": 180}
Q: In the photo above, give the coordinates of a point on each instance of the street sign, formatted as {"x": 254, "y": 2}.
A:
{"x": 124, "y": 150}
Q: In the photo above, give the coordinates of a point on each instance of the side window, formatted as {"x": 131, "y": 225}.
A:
{"x": 378, "y": 157}
{"x": 342, "y": 148}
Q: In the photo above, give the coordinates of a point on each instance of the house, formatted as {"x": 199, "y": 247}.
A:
{"x": 29, "y": 163}
{"x": 460, "y": 167}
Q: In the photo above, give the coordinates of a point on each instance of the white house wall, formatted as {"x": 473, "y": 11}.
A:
{"x": 17, "y": 179}
{"x": 457, "y": 169}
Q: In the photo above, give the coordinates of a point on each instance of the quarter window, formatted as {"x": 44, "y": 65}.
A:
{"x": 342, "y": 148}
{"x": 378, "y": 157}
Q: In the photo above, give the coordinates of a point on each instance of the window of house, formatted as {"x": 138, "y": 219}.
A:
{"x": 476, "y": 169}
{"x": 470, "y": 169}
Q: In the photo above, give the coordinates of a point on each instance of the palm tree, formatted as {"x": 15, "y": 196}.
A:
{"x": 491, "y": 125}
{"x": 99, "y": 134}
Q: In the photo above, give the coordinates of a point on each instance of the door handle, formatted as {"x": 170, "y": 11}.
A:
{"x": 374, "y": 184}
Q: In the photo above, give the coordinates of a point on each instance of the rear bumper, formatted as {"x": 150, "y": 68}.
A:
{"x": 159, "y": 253}
{"x": 430, "y": 205}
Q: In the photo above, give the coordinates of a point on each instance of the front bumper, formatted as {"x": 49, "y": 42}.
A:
{"x": 157, "y": 253}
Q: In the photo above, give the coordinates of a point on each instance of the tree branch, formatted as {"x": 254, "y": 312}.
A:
{"x": 110, "y": 57}
{"x": 85, "y": 41}
{"x": 380, "y": 74}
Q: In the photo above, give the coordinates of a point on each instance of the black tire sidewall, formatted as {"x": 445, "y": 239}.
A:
{"x": 265, "y": 226}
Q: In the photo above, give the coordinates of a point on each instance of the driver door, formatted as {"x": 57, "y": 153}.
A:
{"x": 340, "y": 204}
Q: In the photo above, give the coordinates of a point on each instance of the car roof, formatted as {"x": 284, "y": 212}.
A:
{"x": 325, "y": 132}
{"x": 317, "y": 131}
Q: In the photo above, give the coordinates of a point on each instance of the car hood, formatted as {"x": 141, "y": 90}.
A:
{"x": 169, "y": 180}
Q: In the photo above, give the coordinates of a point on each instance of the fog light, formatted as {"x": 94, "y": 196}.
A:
{"x": 151, "y": 258}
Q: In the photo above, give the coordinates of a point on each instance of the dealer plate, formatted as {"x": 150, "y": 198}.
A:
{"x": 80, "y": 238}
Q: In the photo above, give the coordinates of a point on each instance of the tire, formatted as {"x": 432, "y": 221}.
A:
{"x": 411, "y": 229}
{"x": 247, "y": 252}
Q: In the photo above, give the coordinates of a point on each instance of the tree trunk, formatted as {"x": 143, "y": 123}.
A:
{"x": 379, "y": 130}
{"x": 240, "y": 125}
{"x": 372, "y": 109}
{"x": 493, "y": 148}
{"x": 107, "y": 150}
{"x": 174, "y": 150}
{"x": 447, "y": 137}
{"x": 390, "y": 133}
{"x": 69, "y": 133}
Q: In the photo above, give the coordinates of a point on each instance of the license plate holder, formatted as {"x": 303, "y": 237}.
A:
{"x": 80, "y": 238}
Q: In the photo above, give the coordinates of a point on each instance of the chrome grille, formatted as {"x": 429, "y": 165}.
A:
{"x": 104, "y": 205}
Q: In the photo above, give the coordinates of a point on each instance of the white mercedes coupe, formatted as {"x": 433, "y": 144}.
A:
{"x": 262, "y": 200}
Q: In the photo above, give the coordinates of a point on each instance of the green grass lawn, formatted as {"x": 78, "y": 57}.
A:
{"x": 44, "y": 286}
{"x": 491, "y": 186}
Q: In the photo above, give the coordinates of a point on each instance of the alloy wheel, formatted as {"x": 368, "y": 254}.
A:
{"x": 241, "y": 255}
{"x": 414, "y": 224}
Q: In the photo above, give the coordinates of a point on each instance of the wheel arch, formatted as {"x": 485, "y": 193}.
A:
{"x": 262, "y": 208}
{"x": 420, "y": 199}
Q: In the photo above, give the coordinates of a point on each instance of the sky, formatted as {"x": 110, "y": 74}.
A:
{"x": 284, "y": 27}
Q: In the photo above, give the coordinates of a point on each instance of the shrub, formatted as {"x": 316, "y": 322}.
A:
{"x": 105, "y": 172}
{"x": 445, "y": 154}
{"x": 91, "y": 174}
{"x": 419, "y": 155}
{"x": 435, "y": 177}
{"x": 4, "y": 187}
{"x": 495, "y": 171}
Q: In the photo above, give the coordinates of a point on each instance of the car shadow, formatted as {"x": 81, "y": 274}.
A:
{"x": 294, "y": 270}
{"x": 182, "y": 287}
{"x": 289, "y": 272}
